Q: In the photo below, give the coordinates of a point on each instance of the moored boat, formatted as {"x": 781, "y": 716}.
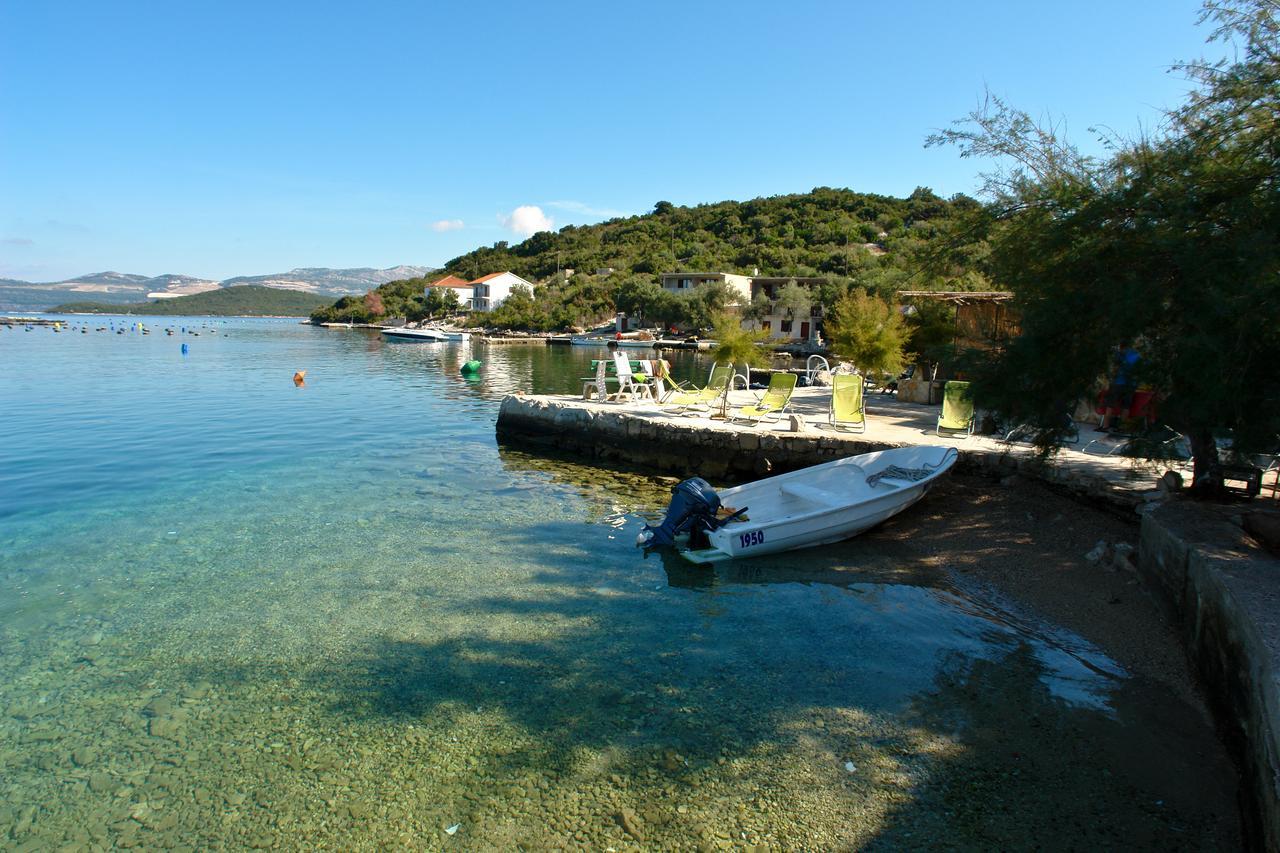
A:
{"x": 588, "y": 342}
{"x": 419, "y": 335}
{"x": 813, "y": 506}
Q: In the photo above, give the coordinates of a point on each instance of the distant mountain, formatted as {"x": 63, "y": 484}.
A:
{"x": 249, "y": 300}
{"x": 322, "y": 280}
{"x": 114, "y": 288}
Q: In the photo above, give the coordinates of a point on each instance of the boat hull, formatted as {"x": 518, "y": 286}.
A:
{"x": 822, "y": 504}
{"x": 422, "y": 336}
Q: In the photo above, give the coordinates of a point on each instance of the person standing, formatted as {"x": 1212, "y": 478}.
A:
{"x": 1119, "y": 397}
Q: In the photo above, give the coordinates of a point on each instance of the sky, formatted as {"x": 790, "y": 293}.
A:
{"x": 237, "y": 138}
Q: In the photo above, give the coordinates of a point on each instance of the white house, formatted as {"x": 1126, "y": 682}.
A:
{"x": 679, "y": 282}
{"x": 489, "y": 291}
{"x": 463, "y": 289}
{"x": 804, "y": 326}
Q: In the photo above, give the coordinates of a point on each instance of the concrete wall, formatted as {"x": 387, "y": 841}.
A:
{"x": 683, "y": 447}
{"x": 1223, "y": 593}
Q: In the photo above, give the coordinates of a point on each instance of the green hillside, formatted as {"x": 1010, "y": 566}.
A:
{"x": 241, "y": 301}
{"x": 854, "y": 239}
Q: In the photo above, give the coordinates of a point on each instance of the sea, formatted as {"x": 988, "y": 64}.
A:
{"x": 243, "y": 611}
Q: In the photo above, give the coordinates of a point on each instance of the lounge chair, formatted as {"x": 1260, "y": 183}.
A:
{"x": 848, "y": 405}
{"x": 957, "y": 410}
{"x": 775, "y": 402}
{"x": 701, "y": 398}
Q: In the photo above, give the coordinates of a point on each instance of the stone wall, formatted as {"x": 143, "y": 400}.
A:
{"x": 684, "y": 447}
{"x": 1223, "y": 593}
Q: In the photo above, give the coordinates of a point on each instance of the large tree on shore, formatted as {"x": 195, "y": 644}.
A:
{"x": 1171, "y": 241}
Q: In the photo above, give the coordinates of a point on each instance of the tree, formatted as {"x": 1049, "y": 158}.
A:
{"x": 794, "y": 301}
{"x": 868, "y": 331}
{"x": 1169, "y": 242}
{"x": 736, "y": 345}
{"x": 373, "y": 303}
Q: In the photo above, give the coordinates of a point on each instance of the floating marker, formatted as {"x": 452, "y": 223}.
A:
{"x": 184, "y": 349}
{"x": 472, "y": 366}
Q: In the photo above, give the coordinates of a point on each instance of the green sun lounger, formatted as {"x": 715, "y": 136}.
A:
{"x": 957, "y": 410}
{"x": 773, "y": 405}
{"x": 701, "y": 398}
{"x": 848, "y": 405}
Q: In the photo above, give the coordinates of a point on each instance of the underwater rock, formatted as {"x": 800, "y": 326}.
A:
{"x": 84, "y": 756}
{"x": 630, "y": 823}
{"x": 101, "y": 783}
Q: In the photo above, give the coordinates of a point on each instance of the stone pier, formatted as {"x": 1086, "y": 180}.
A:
{"x": 659, "y": 440}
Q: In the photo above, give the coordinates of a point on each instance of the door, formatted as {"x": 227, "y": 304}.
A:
{"x": 804, "y": 331}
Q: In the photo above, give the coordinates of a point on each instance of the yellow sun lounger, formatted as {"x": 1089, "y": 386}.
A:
{"x": 702, "y": 398}
{"x": 848, "y": 405}
{"x": 773, "y": 405}
{"x": 957, "y": 410}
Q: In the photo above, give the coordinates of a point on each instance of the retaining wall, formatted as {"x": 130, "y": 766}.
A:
{"x": 1223, "y": 592}
{"x": 683, "y": 447}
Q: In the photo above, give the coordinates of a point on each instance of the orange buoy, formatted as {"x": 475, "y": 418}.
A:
{"x": 299, "y": 377}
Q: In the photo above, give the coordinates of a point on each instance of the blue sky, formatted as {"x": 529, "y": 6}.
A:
{"x": 234, "y": 138}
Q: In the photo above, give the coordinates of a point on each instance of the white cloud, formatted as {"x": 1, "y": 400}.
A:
{"x": 527, "y": 220}
{"x": 442, "y": 225}
{"x": 18, "y": 242}
{"x": 584, "y": 209}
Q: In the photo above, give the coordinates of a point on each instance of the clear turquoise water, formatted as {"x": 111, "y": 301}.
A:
{"x": 235, "y": 612}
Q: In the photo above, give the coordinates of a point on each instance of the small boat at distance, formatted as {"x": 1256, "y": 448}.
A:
{"x": 631, "y": 343}
{"x": 419, "y": 335}
{"x": 588, "y": 342}
{"x": 813, "y": 506}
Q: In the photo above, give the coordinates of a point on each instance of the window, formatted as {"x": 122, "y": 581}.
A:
{"x": 786, "y": 327}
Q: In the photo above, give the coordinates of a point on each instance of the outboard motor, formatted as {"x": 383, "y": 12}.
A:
{"x": 692, "y": 510}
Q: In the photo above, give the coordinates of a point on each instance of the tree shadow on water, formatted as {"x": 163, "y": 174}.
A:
{"x": 1036, "y": 769}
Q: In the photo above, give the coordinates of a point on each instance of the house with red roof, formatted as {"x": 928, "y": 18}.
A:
{"x": 489, "y": 291}
{"x": 463, "y": 289}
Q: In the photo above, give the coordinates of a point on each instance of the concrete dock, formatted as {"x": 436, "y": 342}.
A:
{"x": 659, "y": 439}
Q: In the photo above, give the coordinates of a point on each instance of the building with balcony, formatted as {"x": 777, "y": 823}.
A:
{"x": 680, "y": 282}
{"x": 781, "y": 326}
{"x": 489, "y": 291}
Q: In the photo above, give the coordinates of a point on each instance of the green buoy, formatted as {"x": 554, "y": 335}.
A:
{"x": 472, "y": 366}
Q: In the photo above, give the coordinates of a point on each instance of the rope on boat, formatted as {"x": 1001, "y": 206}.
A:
{"x": 894, "y": 472}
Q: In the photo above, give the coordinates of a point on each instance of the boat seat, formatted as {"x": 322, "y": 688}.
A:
{"x": 809, "y": 493}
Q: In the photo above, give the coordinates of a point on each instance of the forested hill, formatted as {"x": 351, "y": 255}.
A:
{"x": 877, "y": 242}
{"x": 247, "y": 300}
{"x": 820, "y": 232}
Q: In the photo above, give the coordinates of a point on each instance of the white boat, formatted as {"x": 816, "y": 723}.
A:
{"x": 632, "y": 343}
{"x": 588, "y": 342}
{"x": 813, "y": 506}
{"x": 455, "y": 335}
{"x": 419, "y": 335}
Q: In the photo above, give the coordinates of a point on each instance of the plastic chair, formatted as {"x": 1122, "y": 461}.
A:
{"x": 775, "y": 402}
{"x": 701, "y": 398}
{"x": 848, "y": 403}
{"x": 957, "y": 410}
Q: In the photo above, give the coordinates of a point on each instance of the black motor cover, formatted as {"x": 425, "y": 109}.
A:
{"x": 693, "y": 508}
